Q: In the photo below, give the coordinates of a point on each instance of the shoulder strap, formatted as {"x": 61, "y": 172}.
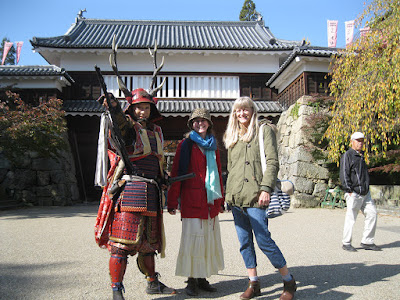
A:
{"x": 261, "y": 142}
{"x": 184, "y": 158}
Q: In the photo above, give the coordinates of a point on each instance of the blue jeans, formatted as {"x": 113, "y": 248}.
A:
{"x": 247, "y": 221}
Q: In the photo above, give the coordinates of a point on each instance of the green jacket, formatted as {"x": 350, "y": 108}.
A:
{"x": 245, "y": 178}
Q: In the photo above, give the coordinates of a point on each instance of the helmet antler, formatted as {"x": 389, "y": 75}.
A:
{"x": 121, "y": 84}
{"x": 157, "y": 70}
{"x": 113, "y": 63}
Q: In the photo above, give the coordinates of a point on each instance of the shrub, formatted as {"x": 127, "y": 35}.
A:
{"x": 25, "y": 128}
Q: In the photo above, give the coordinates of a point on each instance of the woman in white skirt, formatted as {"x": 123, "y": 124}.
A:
{"x": 200, "y": 200}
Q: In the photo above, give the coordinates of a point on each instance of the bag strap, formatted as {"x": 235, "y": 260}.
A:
{"x": 184, "y": 159}
{"x": 262, "y": 153}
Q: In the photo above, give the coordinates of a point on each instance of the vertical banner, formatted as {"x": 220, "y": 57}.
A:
{"x": 7, "y": 47}
{"x": 19, "y": 46}
{"x": 349, "y": 25}
{"x": 332, "y": 33}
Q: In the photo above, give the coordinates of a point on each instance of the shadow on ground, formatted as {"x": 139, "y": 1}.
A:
{"x": 81, "y": 210}
{"x": 314, "y": 282}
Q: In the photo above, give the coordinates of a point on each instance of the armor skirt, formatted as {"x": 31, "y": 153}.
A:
{"x": 134, "y": 232}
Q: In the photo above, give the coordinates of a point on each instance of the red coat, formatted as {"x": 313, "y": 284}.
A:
{"x": 192, "y": 192}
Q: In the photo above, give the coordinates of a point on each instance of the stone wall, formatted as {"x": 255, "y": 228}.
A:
{"x": 39, "y": 181}
{"x": 310, "y": 177}
{"x": 386, "y": 196}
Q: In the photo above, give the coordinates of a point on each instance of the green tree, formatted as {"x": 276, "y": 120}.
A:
{"x": 30, "y": 128}
{"x": 248, "y": 11}
{"x": 10, "y": 58}
{"x": 366, "y": 84}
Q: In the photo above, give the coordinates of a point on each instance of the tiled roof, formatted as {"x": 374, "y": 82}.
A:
{"x": 214, "y": 106}
{"x": 50, "y": 70}
{"x": 197, "y": 35}
{"x": 303, "y": 51}
{"x": 172, "y": 107}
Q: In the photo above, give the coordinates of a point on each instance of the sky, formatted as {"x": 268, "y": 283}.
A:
{"x": 287, "y": 19}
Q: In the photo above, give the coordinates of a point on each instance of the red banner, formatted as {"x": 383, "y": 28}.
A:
{"x": 19, "y": 46}
{"x": 349, "y": 25}
{"x": 7, "y": 47}
{"x": 332, "y": 33}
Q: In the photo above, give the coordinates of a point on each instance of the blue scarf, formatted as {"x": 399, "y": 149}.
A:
{"x": 212, "y": 184}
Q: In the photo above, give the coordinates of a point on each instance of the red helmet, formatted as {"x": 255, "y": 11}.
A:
{"x": 142, "y": 96}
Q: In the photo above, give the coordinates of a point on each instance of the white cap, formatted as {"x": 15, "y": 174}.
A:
{"x": 357, "y": 135}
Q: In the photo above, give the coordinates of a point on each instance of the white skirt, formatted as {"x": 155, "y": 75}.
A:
{"x": 200, "y": 253}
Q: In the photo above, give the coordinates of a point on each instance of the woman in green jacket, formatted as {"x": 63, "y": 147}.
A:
{"x": 248, "y": 192}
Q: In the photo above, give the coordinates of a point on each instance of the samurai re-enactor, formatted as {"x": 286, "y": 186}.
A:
{"x": 130, "y": 218}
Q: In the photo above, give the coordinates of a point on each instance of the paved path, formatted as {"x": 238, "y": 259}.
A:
{"x": 50, "y": 253}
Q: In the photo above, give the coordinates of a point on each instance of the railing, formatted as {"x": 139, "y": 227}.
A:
{"x": 293, "y": 92}
{"x": 226, "y": 87}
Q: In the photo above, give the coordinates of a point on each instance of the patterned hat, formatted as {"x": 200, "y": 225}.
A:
{"x": 200, "y": 113}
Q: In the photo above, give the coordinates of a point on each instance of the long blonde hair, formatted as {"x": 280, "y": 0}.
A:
{"x": 231, "y": 135}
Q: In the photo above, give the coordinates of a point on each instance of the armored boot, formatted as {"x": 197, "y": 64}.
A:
{"x": 192, "y": 289}
{"x": 289, "y": 287}
{"x": 118, "y": 288}
{"x": 154, "y": 286}
{"x": 252, "y": 291}
{"x": 117, "y": 268}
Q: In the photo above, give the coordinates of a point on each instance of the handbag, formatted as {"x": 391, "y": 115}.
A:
{"x": 279, "y": 202}
{"x": 280, "y": 197}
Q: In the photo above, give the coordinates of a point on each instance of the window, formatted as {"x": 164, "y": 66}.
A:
{"x": 254, "y": 87}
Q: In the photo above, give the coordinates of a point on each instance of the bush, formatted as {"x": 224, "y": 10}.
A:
{"x": 25, "y": 128}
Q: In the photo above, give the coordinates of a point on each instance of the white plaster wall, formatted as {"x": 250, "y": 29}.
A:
{"x": 238, "y": 62}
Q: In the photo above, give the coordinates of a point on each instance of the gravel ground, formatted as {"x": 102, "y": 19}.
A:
{"x": 50, "y": 253}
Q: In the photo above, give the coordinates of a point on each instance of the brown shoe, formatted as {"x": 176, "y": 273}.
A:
{"x": 289, "y": 287}
{"x": 253, "y": 290}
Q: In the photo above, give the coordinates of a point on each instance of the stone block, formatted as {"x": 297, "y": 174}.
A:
{"x": 45, "y": 201}
{"x": 301, "y": 200}
{"x": 33, "y": 154}
{"x": 45, "y": 164}
{"x": 24, "y": 179}
{"x": 23, "y": 162}
{"x": 295, "y": 140}
{"x": 3, "y": 174}
{"x": 28, "y": 196}
{"x": 320, "y": 190}
{"x": 300, "y": 154}
{"x": 57, "y": 176}
{"x": 386, "y": 193}
{"x": 309, "y": 170}
{"x": 43, "y": 178}
{"x": 44, "y": 191}
{"x": 299, "y": 124}
{"x": 4, "y": 162}
{"x": 303, "y": 185}
{"x": 306, "y": 110}
{"x": 74, "y": 192}
{"x": 304, "y": 100}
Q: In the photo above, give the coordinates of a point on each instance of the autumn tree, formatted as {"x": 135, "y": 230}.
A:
{"x": 248, "y": 11}
{"x": 25, "y": 128}
{"x": 366, "y": 84}
{"x": 10, "y": 58}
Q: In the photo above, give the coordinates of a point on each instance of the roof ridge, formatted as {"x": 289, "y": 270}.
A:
{"x": 244, "y": 23}
{"x": 201, "y": 35}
